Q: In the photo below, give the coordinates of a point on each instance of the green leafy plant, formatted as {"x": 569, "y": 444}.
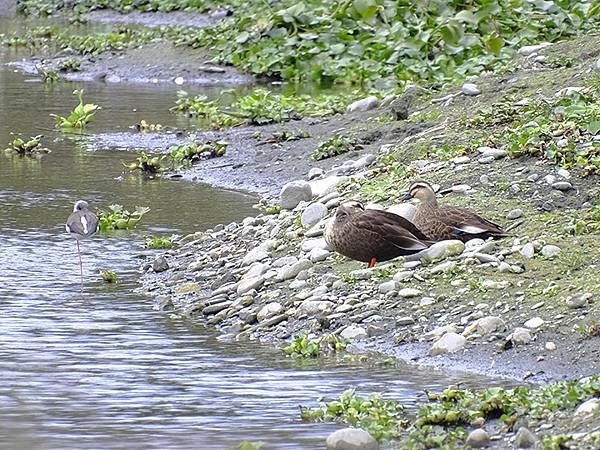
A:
{"x": 80, "y": 116}
{"x": 108, "y": 275}
{"x": 118, "y": 218}
{"x": 148, "y": 164}
{"x": 383, "y": 419}
{"x": 248, "y": 445}
{"x": 160, "y": 242}
{"x": 307, "y": 347}
{"x": 69, "y": 65}
{"x": 187, "y": 154}
{"x": 29, "y": 147}
{"x": 336, "y": 145}
{"x": 143, "y": 126}
{"x": 48, "y": 76}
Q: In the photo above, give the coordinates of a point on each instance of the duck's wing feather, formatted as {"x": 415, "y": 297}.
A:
{"x": 468, "y": 222}
{"x": 392, "y": 228}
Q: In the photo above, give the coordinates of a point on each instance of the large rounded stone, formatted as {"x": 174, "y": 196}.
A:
{"x": 444, "y": 249}
{"x": 524, "y": 438}
{"x": 351, "y": 439}
{"x": 478, "y": 438}
{"x": 312, "y": 214}
{"x": 448, "y": 343}
{"x": 293, "y": 193}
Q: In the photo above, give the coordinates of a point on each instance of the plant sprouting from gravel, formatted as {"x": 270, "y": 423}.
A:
{"x": 442, "y": 420}
{"x": 336, "y": 145}
{"x": 160, "y": 242}
{"x": 108, "y": 275}
{"x": 305, "y": 346}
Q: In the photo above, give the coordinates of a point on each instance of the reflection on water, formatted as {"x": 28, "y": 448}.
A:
{"x": 101, "y": 369}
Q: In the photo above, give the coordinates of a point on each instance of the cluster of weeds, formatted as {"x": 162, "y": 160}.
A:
{"x": 561, "y": 130}
{"x": 442, "y": 420}
{"x": 383, "y": 419}
{"x": 336, "y": 145}
{"x": 383, "y": 184}
{"x": 587, "y": 221}
{"x": 80, "y": 116}
{"x": 259, "y": 107}
{"x": 118, "y": 218}
{"x": 447, "y": 152}
{"x": 108, "y": 275}
{"x": 27, "y": 147}
{"x": 160, "y": 242}
{"x": 187, "y": 154}
{"x": 177, "y": 157}
{"x": 48, "y": 76}
{"x": 46, "y": 7}
{"x": 558, "y": 61}
{"x": 286, "y": 136}
{"x": 589, "y": 330}
{"x": 354, "y": 42}
{"x": 426, "y": 116}
{"x": 248, "y": 445}
{"x": 503, "y": 112}
{"x": 147, "y": 164}
{"x": 362, "y": 41}
{"x": 144, "y": 126}
{"x": 305, "y": 346}
{"x": 122, "y": 37}
{"x": 69, "y": 65}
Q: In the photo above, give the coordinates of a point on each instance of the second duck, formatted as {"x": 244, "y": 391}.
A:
{"x": 448, "y": 222}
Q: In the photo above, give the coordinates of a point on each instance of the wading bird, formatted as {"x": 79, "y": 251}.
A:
{"x": 81, "y": 224}
{"x": 448, "y": 222}
{"x": 372, "y": 235}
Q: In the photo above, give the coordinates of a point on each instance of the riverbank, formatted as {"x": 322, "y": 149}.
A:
{"x": 520, "y": 147}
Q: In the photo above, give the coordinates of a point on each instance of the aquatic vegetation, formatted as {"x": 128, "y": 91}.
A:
{"x": 28, "y": 147}
{"x": 362, "y": 41}
{"x": 187, "y": 154}
{"x": 260, "y": 107}
{"x": 48, "y": 76}
{"x": 144, "y": 126}
{"x": 442, "y": 419}
{"x": 306, "y": 347}
{"x": 108, "y": 275}
{"x": 336, "y": 145}
{"x": 208, "y": 110}
{"x": 160, "y": 242}
{"x": 80, "y": 116}
{"x": 69, "y": 65}
{"x": 383, "y": 419}
{"x": 146, "y": 163}
{"x": 248, "y": 445}
{"x": 120, "y": 38}
{"x": 118, "y": 218}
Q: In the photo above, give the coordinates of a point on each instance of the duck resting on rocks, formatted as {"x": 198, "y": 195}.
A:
{"x": 448, "y": 222}
{"x": 372, "y": 235}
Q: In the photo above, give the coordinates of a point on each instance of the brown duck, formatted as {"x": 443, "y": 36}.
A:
{"x": 371, "y": 235}
{"x": 448, "y": 222}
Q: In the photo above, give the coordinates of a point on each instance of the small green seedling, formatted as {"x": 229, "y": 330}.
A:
{"x": 80, "y": 116}
{"x": 108, "y": 275}
{"x": 160, "y": 242}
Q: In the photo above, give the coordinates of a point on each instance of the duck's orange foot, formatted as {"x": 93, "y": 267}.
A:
{"x": 372, "y": 263}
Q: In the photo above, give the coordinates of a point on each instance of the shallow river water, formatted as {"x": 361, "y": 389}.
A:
{"x": 100, "y": 369}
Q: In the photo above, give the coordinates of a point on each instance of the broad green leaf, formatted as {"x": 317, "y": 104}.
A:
{"x": 594, "y": 127}
{"x": 366, "y": 8}
{"x": 494, "y": 44}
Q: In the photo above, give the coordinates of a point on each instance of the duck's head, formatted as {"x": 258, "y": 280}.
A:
{"x": 80, "y": 205}
{"x": 346, "y": 211}
{"x": 420, "y": 190}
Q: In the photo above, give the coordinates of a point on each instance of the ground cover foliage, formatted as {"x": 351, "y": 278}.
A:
{"x": 375, "y": 43}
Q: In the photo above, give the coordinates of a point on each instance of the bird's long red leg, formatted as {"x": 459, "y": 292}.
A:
{"x": 80, "y": 265}
{"x": 372, "y": 263}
